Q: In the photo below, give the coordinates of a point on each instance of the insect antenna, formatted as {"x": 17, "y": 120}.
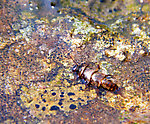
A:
{"x": 73, "y": 59}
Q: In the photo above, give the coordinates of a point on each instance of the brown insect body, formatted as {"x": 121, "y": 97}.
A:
{"x": 95, "y": 78}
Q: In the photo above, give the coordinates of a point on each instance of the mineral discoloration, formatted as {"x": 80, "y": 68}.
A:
{"x": 54, "y": 98}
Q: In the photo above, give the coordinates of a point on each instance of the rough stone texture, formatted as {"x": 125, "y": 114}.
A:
{"x": 36, "y": 84}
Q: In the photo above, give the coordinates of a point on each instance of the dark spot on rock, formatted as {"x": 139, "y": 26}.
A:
{"x": 102, "y": 1}
{"x": 72, "y": 106}
{"x": 61, "y": 100}
{"x": 70, "y": 94}
{"x": 79, "y": 98}
{"x": 45, "y": 91}
{"x": 43, "y": 108}
{"x": 71, "y": 99}
{"x": 53, "y": 93}
{"x": 61, "y": 95}
{"x": 44, "y": 100}
{"x": 30, "y": 101}
{"x": 62, "y": 92}
{"x": 37, "y": 106}
{"x": 115, "y": 10}
{"x": 110, "y": 11}
{"x": 60, "y": 103}
{"x": 54, "y": 108}
{"x": 81, "y": 88}
{"x": 53, "y": 4}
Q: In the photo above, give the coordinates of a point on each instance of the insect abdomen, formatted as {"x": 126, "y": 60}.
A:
{"x": 108, "y": 85}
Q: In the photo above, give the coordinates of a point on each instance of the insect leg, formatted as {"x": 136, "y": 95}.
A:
{"x": 81, "y": 73}
{"x": 97, "y": 92}
{"x": 98, "y": 66}
{"x": 87, "y": 86}
{"x": 108, "y": 76}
